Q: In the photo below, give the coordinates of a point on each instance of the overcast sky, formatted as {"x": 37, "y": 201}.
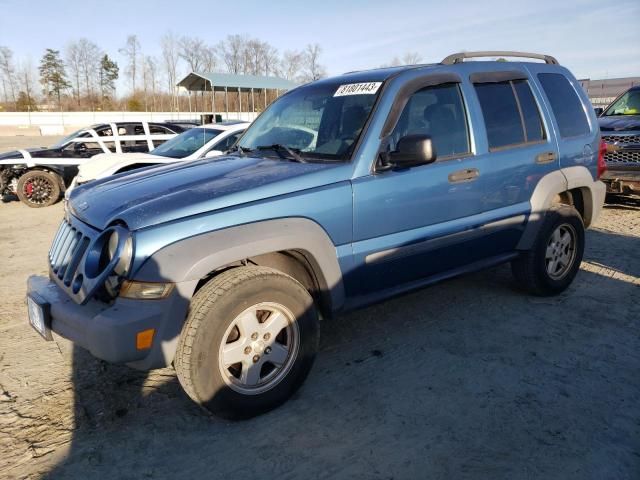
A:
{"x": 594, "y": 38}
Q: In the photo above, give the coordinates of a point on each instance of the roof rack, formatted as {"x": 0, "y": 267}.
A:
{"x": 459, "y": 57}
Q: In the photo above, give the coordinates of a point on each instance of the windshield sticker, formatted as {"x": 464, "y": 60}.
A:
{"x": 368, "y": 88}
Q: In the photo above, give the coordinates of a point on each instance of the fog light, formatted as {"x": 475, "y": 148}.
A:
{"x": 144, "y": 339}
{"x": 145, "y": 290}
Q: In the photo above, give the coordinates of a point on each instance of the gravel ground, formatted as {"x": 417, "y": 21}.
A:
{"x": 465, "y": 379}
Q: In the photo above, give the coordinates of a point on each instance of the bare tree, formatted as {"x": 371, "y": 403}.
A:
{"x": 193, "y": 51}
{"x": 271, "y": 62}
{"x": 90, "y": 55}
{"x": 7, "y": 69}
{"x": 72, "y": 56}
{"x": 232, "y": 52}
{"x": 131, "y": 51}
{"x": 27, "y": 75}
{"x": 313, "y": 69}
{"x": 151, "y": 74}
{"x": 411, "y": 58}
{"x": 292, "y": 64}
{"x": 209, "y": 59}
{"x": 171, "y": 56}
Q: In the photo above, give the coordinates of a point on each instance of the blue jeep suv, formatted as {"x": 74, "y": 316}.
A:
{"x": 344, "y": 192}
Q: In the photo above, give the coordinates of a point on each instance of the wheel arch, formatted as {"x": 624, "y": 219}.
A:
{"x": 573, "y": 186}
{"x": 298, "y": 247}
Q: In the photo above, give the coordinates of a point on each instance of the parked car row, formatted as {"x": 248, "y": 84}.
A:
{"x": 343, "y": 192}
{"x": 39, "y": 176}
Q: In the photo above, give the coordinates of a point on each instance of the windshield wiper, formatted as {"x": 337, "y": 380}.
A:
{"x": 279, "y": 148}
{"x": 241, "y": 150}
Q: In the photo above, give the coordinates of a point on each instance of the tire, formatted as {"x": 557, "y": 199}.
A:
{"x": 535, "y": 271}
{"x": 38, "y": 188}
{"x": 224, "y": 313}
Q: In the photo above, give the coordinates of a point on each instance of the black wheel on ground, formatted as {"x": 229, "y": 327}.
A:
{"x": 248, "y": 343}
{"x": 38, "y": 188}
{"x": 550, "y": 266}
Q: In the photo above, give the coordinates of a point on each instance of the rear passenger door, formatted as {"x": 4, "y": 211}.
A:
{"x": 513, "y": 137}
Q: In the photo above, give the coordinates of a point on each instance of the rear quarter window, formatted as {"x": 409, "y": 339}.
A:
{"x": 565, "y": 104}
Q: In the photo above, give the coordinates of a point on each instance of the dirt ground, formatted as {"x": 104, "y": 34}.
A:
{"x": 16, "y": 142}
{"x": 466, "y": 379}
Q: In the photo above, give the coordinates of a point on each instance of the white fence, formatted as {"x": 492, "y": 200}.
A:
{"x": 58, "y": 123}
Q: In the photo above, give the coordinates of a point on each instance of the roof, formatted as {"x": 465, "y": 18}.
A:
{"x": 204, "y": 81}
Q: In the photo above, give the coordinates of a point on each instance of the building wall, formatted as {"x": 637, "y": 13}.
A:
{"x": 603, "y": 92}
{"x": 59, "y": 123}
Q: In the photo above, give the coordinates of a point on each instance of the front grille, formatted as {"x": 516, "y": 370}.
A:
{"x": 628, "y": 152}
{"x": 622, "y": 139}
{"x": 67, "y": 250}
{"x": 623, "y": 157}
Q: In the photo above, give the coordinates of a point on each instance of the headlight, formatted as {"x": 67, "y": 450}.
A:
{"x": 112, "y": 250}
{"x": 124, "y": 262}
{"x": 145, "y": 290}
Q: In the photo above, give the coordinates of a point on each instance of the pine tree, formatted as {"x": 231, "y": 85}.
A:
{"x": 109, "y": 73}
{"x": 52, "y": 75}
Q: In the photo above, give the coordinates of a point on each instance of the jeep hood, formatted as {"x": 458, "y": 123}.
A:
{"x": 160, "y": 194}
{"x": 619, "y": 123}
{"x": 105, "y": 164}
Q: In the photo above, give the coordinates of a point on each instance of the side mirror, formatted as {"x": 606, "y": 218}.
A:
{"x": 212, "y": 153}
{"x": 598, "y": 111}
{"x": 411, "y": 151}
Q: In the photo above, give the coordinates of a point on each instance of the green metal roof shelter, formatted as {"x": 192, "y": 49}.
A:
{"x": 225, "y": 82}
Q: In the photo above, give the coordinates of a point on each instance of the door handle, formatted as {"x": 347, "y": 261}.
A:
{"x": 466, "y": 175}
{"x": 546, "y": 157}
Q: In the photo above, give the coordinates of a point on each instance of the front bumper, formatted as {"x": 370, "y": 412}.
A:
{"x": 109, "y": 331}
{"x": 622, "y": 180}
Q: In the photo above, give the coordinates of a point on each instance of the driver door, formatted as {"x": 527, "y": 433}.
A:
{"x": 416, "y": 222}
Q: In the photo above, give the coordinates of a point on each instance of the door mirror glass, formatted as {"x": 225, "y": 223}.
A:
{"x": 413, "y": 150}
{"x": 598, "y": 111}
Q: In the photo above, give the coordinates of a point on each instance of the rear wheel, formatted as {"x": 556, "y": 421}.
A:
{"x": 248, "y": 343}
{"x": 554, "y": 260}
{"x": 38, "y": 188}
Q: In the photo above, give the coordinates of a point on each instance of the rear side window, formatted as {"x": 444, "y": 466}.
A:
{"x": 566, "y": 105}
{"x": 510, "y": 113}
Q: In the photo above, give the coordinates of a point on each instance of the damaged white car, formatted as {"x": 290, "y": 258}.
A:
{"x": 39, "y": 176}
{"x": 204, "y": 141}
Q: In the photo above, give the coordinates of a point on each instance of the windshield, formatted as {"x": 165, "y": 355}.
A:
{"x": 186, "y": 143}
{"x": 66, "y": 139}
{"x": 318, "y": 120}
{"x": 627, "y": 104}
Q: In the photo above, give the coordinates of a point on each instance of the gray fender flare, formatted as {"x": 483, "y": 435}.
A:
{"x": 554, "y": 183}
{"x": 193, "y": 258}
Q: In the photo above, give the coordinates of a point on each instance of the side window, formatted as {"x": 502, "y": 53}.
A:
{"x": 510, "y": 113}
{"x": 533, "y": 127}
{"x": 226, "y": 143}
{"x": 439, "y": 112}
{"x": 158, "y": 130}
{"x": 566, "y": 105}
{"x": 104, "y": 132}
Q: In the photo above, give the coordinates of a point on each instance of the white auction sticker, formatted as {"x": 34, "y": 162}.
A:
{"x": 368, "y": 88}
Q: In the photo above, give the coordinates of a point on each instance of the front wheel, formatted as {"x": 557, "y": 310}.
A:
{"x": 38, "y": 188}
{"x": 248, "y": 343}
{"x": 554, "y": 260}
